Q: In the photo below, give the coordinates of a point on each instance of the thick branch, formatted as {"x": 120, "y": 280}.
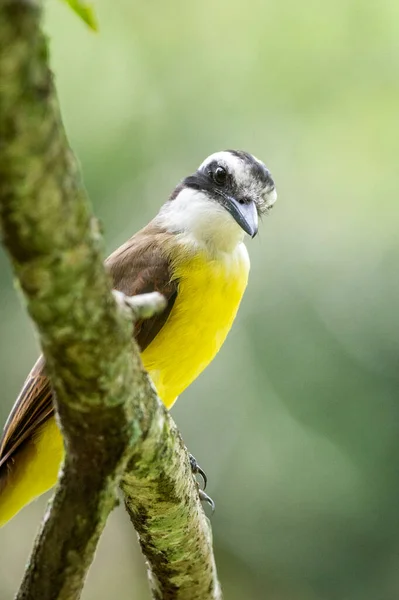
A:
{"x": 106, "y": 407}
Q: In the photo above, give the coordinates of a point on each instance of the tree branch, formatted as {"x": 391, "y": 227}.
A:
{"x": 175, "y": 536}
{"x": 110, "y": 417}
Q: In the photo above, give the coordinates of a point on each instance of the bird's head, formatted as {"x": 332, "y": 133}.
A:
{"x": 221, "y": 200}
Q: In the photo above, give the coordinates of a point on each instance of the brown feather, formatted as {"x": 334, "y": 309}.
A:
{"x": 141, "y": 265}
{"x": 32, "y": 407}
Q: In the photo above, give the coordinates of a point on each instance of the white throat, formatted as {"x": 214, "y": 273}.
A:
{"x": 200, "y": 221}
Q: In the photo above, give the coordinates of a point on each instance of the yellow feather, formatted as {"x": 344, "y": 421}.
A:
{"x": 209, "y": 295}
{"x": 210, "y": 291}
{"x": 35, "y": 471}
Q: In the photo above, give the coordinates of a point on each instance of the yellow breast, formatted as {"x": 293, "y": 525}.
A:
{"x": 210, "y": 291}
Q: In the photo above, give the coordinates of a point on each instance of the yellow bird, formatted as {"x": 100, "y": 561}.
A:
{"x": 193, "y": 253}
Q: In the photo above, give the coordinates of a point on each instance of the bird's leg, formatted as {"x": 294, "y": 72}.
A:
{"x": 196, "y": 470}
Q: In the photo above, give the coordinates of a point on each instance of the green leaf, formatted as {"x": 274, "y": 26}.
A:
{"x": 85, "y": 12}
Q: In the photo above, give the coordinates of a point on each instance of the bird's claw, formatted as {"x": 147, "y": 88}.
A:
{"x": 205, "y": 498}
{"x": 196, "y": 470}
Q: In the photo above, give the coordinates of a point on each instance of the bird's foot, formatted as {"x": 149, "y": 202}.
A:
{"x": 196, "y": 470}
{"x": 143, "y": 306}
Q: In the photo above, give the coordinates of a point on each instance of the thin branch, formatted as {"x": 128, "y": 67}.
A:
{"x": 109, "y": 414}
{"x": 174, "y": 534}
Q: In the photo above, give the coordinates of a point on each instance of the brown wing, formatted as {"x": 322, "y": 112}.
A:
{"x": 32, "y": 407}
{"x": 139, "y": 266}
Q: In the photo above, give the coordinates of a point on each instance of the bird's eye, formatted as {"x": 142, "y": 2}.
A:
{"x": 220, "y": 176}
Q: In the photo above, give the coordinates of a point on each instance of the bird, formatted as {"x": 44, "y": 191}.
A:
{"x": 193, "y": 253}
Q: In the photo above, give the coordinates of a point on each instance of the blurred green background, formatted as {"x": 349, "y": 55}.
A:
{"x": 296, "y": 422}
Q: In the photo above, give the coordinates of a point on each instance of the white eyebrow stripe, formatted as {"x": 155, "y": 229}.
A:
{"x": 233, "y": 163}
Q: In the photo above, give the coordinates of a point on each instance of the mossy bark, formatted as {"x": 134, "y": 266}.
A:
{"x": 174, "y": 534}
{"x": 111, "y": 420}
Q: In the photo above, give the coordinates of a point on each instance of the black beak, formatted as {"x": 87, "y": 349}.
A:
{"x": 244, "y": 213}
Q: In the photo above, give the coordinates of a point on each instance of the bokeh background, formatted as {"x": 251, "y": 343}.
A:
{"x": 297, "y": 420}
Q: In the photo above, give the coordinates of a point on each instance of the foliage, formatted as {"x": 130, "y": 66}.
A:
{"x": 85, "y": 12}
